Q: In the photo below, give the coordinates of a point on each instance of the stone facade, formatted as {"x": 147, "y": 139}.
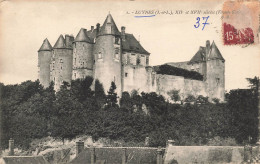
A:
{"x": 107, "y": 54}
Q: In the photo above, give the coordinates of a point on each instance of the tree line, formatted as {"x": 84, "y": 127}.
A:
{"x": 30, "y": 111}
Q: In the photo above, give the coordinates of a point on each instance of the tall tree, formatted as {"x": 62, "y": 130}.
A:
{"x": 111, "y": 99}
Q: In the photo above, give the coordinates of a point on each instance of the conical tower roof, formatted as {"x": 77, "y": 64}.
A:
{"x": 60, "y": 42}
{"x": 109, "y": 22}
{"x": 214, "y": 52}
{"x": 82, "y": 36}
{"x": 46, "y": 46}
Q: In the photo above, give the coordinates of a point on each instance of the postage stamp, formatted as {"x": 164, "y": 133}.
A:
{"x": 240, "y": 22}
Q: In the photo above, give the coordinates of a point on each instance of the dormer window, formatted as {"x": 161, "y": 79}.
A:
{"x": 109, "y": 29}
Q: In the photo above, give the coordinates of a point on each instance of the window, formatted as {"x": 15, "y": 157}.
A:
{"x": 217, "y": 80}
{"x": 116, "y": 40}
{"x": 61, "y": 66}
{"x": 133, "y": 59}
{"x": 147, "y": 60}
{"x": 75, "y": 61}
{"x": 116, "y": 54}
{"x": 138, "y": 61}
{"x": 60, "y": 60}
{"x": 109, "y": 29}
{"x": 75, "y": 75}
{"x": 99, "y": 55}
{"x": 192, "y": 67}
{"x": 126, "y": 74}
{"x": 83, "y": 64}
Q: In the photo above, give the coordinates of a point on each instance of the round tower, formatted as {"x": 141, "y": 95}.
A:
{"x": 44, "y": 59}
{"x": 61, "y": 65}
{"x": 82, "y": 56}
{"x": 107, "y": 55}
{"x": 215, "y": 73}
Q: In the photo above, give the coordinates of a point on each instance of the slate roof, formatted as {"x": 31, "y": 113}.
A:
{"x": 199, "y": 56}
{"x": 109, "y": 22}
{"x": 130, "y": 44}
{"x": 92, "y": 34}
{"x": 46, "y": 46}
{"x": 82, "y": 36}
{"x": 214, "y": 52}
{"x": 23, "y": 160}
{"x": 114, "y": 155}
{"x": 60, "y": 43}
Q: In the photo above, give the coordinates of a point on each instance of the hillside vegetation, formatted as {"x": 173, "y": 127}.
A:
{"x": 31, "y": 112}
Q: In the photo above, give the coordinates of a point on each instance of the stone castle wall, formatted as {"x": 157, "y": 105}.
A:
{"x": 82, "y": 60}
{"x": 166, "y": 83}
{"x": 61, "y": 67}
{"x": 44, "y": 59}
{"x": 216, "y": 79}
{"x": 107, "y": 68}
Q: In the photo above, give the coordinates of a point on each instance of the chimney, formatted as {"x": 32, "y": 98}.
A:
{"x": 92, "y": 28}
{"x": 92, "y": 155}
{"x": 170, "y": 143}
{"x": 124, "y": 156}
{"x": 147, "y": 141}
{"x": 79, "y": 147}
{"x": 69, "y": 40}
{"x": 11, "y": 147}
{"x": 98, "y": 27}
{"x": 159, "y": 156}
{"x": 123, "y": 32}
{"x": 207, "y": 48}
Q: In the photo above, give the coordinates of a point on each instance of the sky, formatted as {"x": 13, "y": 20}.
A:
{"x": 169, "y": 38}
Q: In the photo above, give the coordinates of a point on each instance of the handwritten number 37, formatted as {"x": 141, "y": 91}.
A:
{"x": 197, "y": 25}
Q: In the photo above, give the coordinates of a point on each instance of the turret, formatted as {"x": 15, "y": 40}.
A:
{"x": 61, "y": 64}
{"x": 82, "y": 55}
{"x": 44, "y": 59}
{"x": 107, "y": 55}
{"x": 215, "y": 73}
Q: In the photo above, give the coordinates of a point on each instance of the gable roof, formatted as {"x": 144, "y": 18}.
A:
{"x": 130, "y": 44}
{"x": 24, "y": 159}
{"x": 199, "y": 56}
{"x": 46, "y": 46}
{"x": 109, "y": 22}
{"x": 82, "y": 36}
{"x": 214, "y": 52}
{"x": 134, "y": 155}
{"x": 60, "y": 43}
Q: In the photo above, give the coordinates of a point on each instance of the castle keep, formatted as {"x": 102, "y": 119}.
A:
{"x": 107, "y": 54}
